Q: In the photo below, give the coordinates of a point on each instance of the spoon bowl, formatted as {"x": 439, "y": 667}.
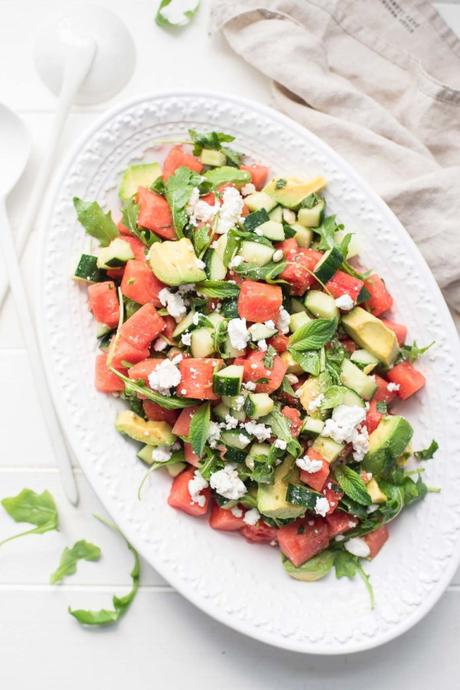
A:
{"x": 15, "y": 148}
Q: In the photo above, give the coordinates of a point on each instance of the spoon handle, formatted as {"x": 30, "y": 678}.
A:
{"x": 61, "y": 454}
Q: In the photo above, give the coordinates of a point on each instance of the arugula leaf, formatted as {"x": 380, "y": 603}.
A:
{"x": 413, "y": 491}
{"x": 199, "y": 428}
{"x": 217, "y": 288}
{"x": 264, "y": 469}
{"x": 120, "y": 604}
{"x": 211, "y": 464}
{"x": 37, "y": 509}
{"x": 178, "y": 189}
{"x": 227, "y": 174}
{"x": 412, "y": 352}
{"x": 310, "y": 201}
{"x": 352, "y": 485}
{"x": 129, "y": 216}
{"x": 313, "y": 335}
{"x": 208, "y": 140}
{"x": 394, "y": 503}
{"x": 309, "y": 361}
{"x": 233, "y": 157}
{"x": 267, "y": 272}
{"x": 96, "y": 223}
{"x": 166, "y": 401}
{"x": 347, "y": 565}
{"x": 172, "y": 19}
{"x": 327, "y": 232}
{"x": 81, "y": 550}
{"x": 427, "y": 453}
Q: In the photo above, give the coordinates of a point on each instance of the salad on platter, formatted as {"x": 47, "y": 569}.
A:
{"x": 255, "y": 355}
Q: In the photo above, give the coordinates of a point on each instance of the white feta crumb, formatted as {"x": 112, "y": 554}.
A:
{"x": 344, "y": 302}
{"x": 249, "y": 385}
{"x": 227, "y": 483}
{"x": 372, "y": 508}
{"x": 360, "y": 443}
{"x": 187, "y": 287}
{"x": 339, "y": 537}
{"x": 279, "y": 443}
{"x": 160, "y": 344}
{"x": 308, "y": 464}
{"x": 316, "y": 403}
{"x": 238, "y": 333}
{"x": 283, "y": 320}
{"x": 199, "y": 211}
{"x": 244, "y": 440}
{"x": 342, "y": 427}
{"x": 236, "y": 511}
{"x": 161, "y": 454}
{"x": 186, "y": 339}
{"x": 175, "y": 305}
{"x": 238, "y": 402}
{"x": 277, "y": 255}
{"x": 165, "y": 376}
{"x": 251, "y": 517}
{"x": 393, "y": 387}
{"x": 269, "y": 324}
{"x": 199, "y": 263}
{"x": 213, "y": 434}
{"x": 230, "y": 210}
{"x": 196, "y": 318}
{"x": 235, "y": 262}
{"x": 321, "y": 506}
{"x": 247, "y": 189}
{"x": 260, "y": 431}
{"x": 195, "y": 487}
{"x": 230, "y": 422}
{"x": 262, "y": 345}
{"x": 357, "y": 547}
{"x": 292, "y": 378}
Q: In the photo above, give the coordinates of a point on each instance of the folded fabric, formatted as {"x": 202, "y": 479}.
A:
{"x": 379, "y": 80}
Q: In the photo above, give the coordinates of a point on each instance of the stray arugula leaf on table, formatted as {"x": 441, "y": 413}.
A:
{"x": 37, "y": 509}
{"x": 427, "y": 453}
{"x": 98, "y": 224}
{"x": 176, "y": 20}
{"x": 81, "y": 550}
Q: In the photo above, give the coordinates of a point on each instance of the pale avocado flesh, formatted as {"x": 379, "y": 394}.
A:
{"x": 271, "y": 498}
{"x": 148, "y": 432}
{"x": 138, "y": 175}
{"x": 294, "y": 191}
{"x": 386, "y": 444}
{"x": 370, "y": 333}
{"x": 313, "y": 569}
{"x": 175, "y": 263}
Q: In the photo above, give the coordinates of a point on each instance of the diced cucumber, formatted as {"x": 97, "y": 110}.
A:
{"x": 364, "y": 360}
{"x": 328, "y": 448}
{"x": 235, "y": 439}
{"x": 235, "y": 455}
{"x": 256, "y": 253}
{"x": 259, "y": 331}
{"x": 328, "y": 265}
{"x": 227, "y": 381}
{"x": 352, "y": 377}
{"x": 272, "y": 230}
{"x": 311, "y": 217}
{"x": 297, "y": 320}
{"x": 137, "y": 175}
{"x": 202, "y": 342}
{"x": 312, "y": 426}
{"x": 277, "y": 214}
{"x": 215, "y": 318}
{"x": 256, "y": 450}
{"x": 258, "y": 405}
{"x": 303, "y": 236}
{"x": 351, "y": 398}
{"x": 321, "y": 304}
{"x": 102, "y": 329}
{"x": 87, "y": 270}
{"x": 289, "y": 216}
{"x": 145, "y": 454}
{"x": 258, "y": 200}
{"x": 296, "y": 306}
{"x": 255, "y": 219}
{"x": 213, "y": 157}
{"x": 175, "y": 468}
{"x": 229, "y": 351}
{"x": 221, "y": 410}
{"x": 215, "y": 266}
{"x": 115, "y": 255}
{"x": 184, "y": 324}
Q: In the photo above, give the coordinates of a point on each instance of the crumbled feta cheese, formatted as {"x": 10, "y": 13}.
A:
{"x": 277, "y": 255}
{"x": 260, "y": 431}
{"x": 360, "y": 443}
{"x": 321, "y": 506}
{"x": 238, "y": 402}
{"x": 238, "y": 333}
{"x": 283, "y": 320}
{"x": 199, "y": 211}
{"x": 186, "y": 339}
{"x": 262, "y": 345}
{"x": 227, "y": 483}
{"x": 357, "y": 547}
{"x": 244, "y": 440}
{"x": 316, "y": 403}
{"x": 339, "y": 537}
{"x": 372, "y": 508}
{"x": 292, "y": 378}
{"x": 269, "y": 324}
{"x": 160, "y": 344}
{"x": 344, "y": 302}
{"x": 161, "y": 454}
{"x": 249, "y": 385}
{"x": 230, "y": 211}
{"x": 342, "y": 427}
{"x": 235, "y": 262}
{"x": 392, "y": 387}
{"x": 196, "y": 318}
{"x": 236, "y": 512}
{"x": 164, "y": 376}
{"x": 187, "y": 287}
{"x": 195, "y": 487}
{"x": 248, "y": 188}
{"x": 279, "y": 443}
{"x": 309, "y": 465}
{"x": 251, "y": 517}
{"x": 199, "y": 263}
{"x": 230, "y": 422}
{"x": 213, "y": 434}
{"x": 175, "y": 305}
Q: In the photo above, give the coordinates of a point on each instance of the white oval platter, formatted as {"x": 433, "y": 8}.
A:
{"x": 242, "y": 585}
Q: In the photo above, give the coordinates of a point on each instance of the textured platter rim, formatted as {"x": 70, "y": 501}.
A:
{"x": 134, "y": 535}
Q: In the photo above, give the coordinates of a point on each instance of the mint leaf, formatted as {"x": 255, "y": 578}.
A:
{"x": 96, "y": 223}
{"x": 81, "y": 550}
{"x": 176, "y": 16}
{"x": 352, "y": 485}
{"x": 178, "y": 189}
{"x": 313, "y": 335}
{"x": 37, "y": 509}
{"x": 208, "y": 140}
{"x": 427, "y": 453}
{"x": 268, "y": 272}
{"x": 217, "y": 288}
{"x": 309, "y": 361}
{"x": 226, "y": 175}
{"x": 199, "y": 428}
{"x": 165, "y": 401}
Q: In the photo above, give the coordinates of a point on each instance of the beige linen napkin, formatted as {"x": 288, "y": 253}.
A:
{"x": 379, "y": 80}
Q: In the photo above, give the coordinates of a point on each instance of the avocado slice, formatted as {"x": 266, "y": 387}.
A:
{"x": 375, "y": 492}
{"x": 135, "y": 176}
{"x": 175, "y": 263}
{"x": 369, "y": 332}
{"x": 294, "y": 191}
{"x": 152, "y": 433}
{"x": 313, "y": 569}
{"x": 386, "y": 444}
{"x": 271, "y": 498}
{"x": 115, "y": 255}
{"x": 307, "y": 393}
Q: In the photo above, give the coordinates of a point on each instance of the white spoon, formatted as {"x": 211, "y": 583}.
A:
{"x": 14, "y": 152}
{"x": 84, "y": 56}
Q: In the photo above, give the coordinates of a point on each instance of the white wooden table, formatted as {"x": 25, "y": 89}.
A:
{"x": 163, "y": 642}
